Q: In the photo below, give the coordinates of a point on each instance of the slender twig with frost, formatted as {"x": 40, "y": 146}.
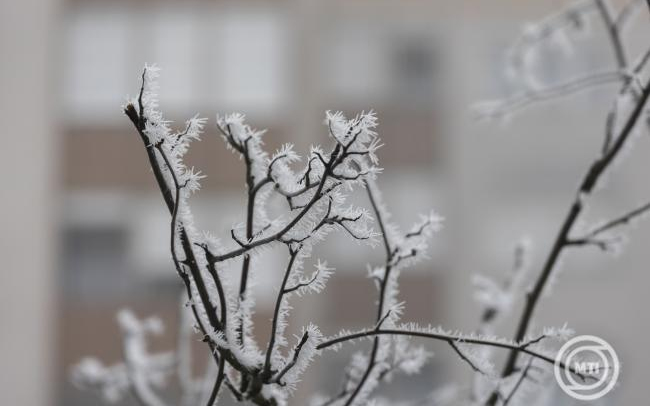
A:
{"x": 616, "y": 138}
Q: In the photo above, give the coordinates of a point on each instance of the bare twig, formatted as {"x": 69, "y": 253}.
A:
{"x": 139, "y": 121}
{"x": 626, "y": 13}
{"x": 293, "y": 254}
{"x": 613, "y": 32}
{"x": 296, "y": 353}
{"x": 597, "y": 168}
{"x": 620, "y": 221}
{"x": 450, "y": 338}
{"x": 217, "y": 383}
{"x": 278, "y": 235}
{"x": 184, "y": 352}
{"x": 528, "y": 97}
{"x": 465, "y": 358}
{"x": 382, "y": 293}
{"x": 521, "y": 379}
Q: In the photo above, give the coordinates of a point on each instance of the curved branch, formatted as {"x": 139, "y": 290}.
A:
{"x": 590, "y": 180}
{"x": 613, "y": 32}
{"x": 383, "y": 283}
{"x": 276, "y": 236}
{"x": 276, "y": 313}
{"x": 217, "y": 383}
{"x": 450, "y": 338}
{"x": 528, "y": 97}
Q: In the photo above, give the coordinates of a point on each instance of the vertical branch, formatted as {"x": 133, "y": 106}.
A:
{"x": 382, "y": 293}
{"x": 293, "y": 254}
{"x": 189, "y": 251}
{"x": 217, "y": 382}
{"x": 613, "y": 32}
{"x": 184, "y": 352}
{"x": 522, "y": 377}
{"x": 139, "y": 121}
{"x": 318, "y": 194}
{"x": 590, "y": 180}
{"x": 250, "y": 218}
{"x": 136, "y": 359}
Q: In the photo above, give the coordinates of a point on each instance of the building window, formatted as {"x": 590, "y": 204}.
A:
{"x": 212, "y": 57}
{"x": 95, "y": 261}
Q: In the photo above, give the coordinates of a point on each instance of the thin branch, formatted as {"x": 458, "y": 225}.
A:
{"x": 613, "y": 32}
{"x": 626, "y": 13}
{"x": 628, "y": 86}
{"x": 620, "y": 221}
{"x": 528, "y": 97}
{"x": 184, "y": 351}
{"x": 382, "y": 293}
{"x": 603, "y": 245}
{"x": 301, "y": 284}
{"x": 237, "y": 240}
{"x": 419, "y": 231}
{"x": 296, "y": 353}
{"x": 139, "y": 121}
{"x": 250, "y": 219}
{"x": 590, "y": 180}
{"x": 643, "y": 60}
{"x": 276, "y": 236}
{"x": 447, "y": 338}
{"x": 399, "y": 258}
{"x": 465, "y": 358}
{"x": 172, "y": 201}
{"x": 140, "y": 384}
{"x": 382, "y": 320}
{"x": 293, "y": 254}
{"x": 217, "y": 383}
{"x": 521, "y": 379}
{"x": 196, "y": 276}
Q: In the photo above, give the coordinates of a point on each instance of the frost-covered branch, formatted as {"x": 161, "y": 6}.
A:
{"x": 624, "y": 219}
{"x": 562, "y": 240}
{"x": 453, "y": 339}
{"x": 153, "y": 131}
{"x": 294, "y": 360}
{"x": 522, "y": 376}
{"x": 599, "y": 236}
{"x": 278, "y": 307}
{"x": 556, "y": 31}
{"x": 613, "y": 31}
{"x": 499, "y": 108}
{"x": 496, "y": 298}
{"x": 351, "y": 160}
{"x": 631, "y": 100}
{"x": 141, "y": 373}
{"x": 465, "y": 358}
{"x": 250, "y": 149}
{"x": 400, "y": 250}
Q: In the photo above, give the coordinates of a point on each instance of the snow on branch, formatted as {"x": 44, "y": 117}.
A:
{"x": 141, "y": 373}
{"x": 628, "y": 113}
{"x": 558, "y": 31}
{"x": 437, "y": 333}
{"x": 317, "y": 189}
